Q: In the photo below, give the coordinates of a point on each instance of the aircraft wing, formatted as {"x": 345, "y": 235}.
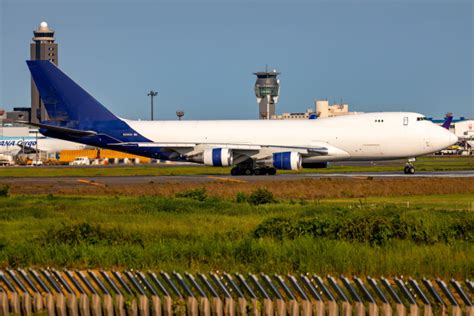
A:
{"x": 250, "y": 150}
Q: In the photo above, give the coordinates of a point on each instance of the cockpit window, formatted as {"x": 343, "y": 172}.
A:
{"x": 421, "y": 118}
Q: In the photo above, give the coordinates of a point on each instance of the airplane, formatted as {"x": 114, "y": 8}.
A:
{"x": 251, "y": 147}
{"x": 27, "y": 145}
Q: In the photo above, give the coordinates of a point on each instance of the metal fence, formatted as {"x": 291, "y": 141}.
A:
{"x": 53, "y": 292}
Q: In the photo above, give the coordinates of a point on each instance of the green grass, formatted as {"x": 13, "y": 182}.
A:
{"x": 431, "y": 163}
{"x": 183, "y": 234}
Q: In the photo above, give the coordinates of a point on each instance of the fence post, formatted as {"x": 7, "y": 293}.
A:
{"x": 143, "y": 306}
{"x": 26, "y": 304}
{"x": 119, "y": 305}
{"x": 61, "y": 305}
{"x": 167, "y": 306}
{"x": 242, "y": 306}
{"x": 108, "y": 305}
{"x": 268, "y": 307}
{"x": 256, "y": 307}
{"x": 204, "y": 306}
{"x": 71, "y": 305}
{"x": 192, "y": 306}
{"x": 155, "y": 305}
{"x": 84, "y": 307}
{"x": 132, "y": 308}
{"x": 229, "y": 306}
{"x": 49, "y": 302}
{"x": 3, "y": 303}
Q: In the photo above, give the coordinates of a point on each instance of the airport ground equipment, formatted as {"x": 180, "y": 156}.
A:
{"x": 55, "y": 292}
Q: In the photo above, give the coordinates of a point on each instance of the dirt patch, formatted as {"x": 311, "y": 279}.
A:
{"x": 294, "y": 189}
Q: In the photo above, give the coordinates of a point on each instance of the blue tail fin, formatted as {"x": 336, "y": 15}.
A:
{"x": 447, "y": 121}
{"x": 74, "y": 114}
{"x": 66, "y": 102}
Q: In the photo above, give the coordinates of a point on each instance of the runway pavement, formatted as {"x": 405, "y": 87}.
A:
{"x": 130, "y": 180}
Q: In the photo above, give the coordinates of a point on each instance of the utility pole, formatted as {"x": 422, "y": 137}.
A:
{"x": 36, "y": 145}
{"x": 152, "y": 94}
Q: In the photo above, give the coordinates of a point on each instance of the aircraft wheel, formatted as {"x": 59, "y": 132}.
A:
{"x": 411, "y": 170}
{"x": 258, "y": 172}
{"x": 234, "y": 171}
{"x": 248, "y": 172}
{"x": 271, "y": 171}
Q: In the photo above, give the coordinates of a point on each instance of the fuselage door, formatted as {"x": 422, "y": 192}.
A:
{"x": 405, "y": 120}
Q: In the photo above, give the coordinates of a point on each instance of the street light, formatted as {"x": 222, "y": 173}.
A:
{"x": 152, "y": 94}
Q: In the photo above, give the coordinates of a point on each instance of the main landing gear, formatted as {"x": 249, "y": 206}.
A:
{"x": 249, "y": 168}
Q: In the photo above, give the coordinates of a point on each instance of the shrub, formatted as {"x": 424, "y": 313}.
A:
{"x": 85, "y": 233}
{"x": 241, "y": 197}
{"x": 199, "y": 194}
{"x": 374, "y": 229}
{"x": 261, "y": 196}
{"x": 5, "y": 191}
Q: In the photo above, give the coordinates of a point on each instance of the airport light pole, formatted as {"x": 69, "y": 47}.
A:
{"x": 152, "y": 94}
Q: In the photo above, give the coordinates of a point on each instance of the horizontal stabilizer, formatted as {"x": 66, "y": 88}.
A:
{"x": 63, "y": 130}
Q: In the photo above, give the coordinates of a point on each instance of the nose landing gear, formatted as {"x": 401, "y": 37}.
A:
{"x": 409, "y": 168}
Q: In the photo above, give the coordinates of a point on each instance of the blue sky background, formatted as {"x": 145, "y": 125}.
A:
{"x": 200, "y": 55}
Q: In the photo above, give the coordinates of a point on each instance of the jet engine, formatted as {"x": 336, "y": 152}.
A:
{"x": 287, "y": 160}
{"x": 218, "y": 157}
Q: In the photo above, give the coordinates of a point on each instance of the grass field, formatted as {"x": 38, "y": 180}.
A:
{"x": 431, "y": 163}
{"x": 430, "y": 235}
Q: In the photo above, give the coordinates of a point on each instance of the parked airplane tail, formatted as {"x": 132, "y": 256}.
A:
{"x": 67, "y": 104}
{"x": 447, "y": 121}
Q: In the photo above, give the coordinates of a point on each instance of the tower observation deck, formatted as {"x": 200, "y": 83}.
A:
{"x": 267, "y": 90}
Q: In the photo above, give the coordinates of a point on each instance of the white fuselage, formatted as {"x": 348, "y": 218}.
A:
{"x": 369, "y": 136}
{"x": 14, "y": 145}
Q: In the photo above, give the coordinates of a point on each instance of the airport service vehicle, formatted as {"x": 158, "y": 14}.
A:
{"x": 80, "y": 161}
{"x": 6, "y": 160}
{"x": 251, "y": 147}
{"x": 27, "y": 145}
{"x": 36, "y": 163}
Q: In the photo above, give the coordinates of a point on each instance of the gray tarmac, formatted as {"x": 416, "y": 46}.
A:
{"x": 132, "y": 180}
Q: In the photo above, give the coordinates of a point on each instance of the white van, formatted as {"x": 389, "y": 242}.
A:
{"x": 80, "y": 161}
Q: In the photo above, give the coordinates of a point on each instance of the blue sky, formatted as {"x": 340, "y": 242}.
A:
{"x": 200, "y": 55}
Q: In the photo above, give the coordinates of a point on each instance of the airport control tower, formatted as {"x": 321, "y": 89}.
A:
{"x": 267, "y": 90}
{"x": 42, "y": 48}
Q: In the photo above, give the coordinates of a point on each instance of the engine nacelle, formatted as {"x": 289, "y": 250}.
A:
{"x": 218, "y": 157}
{"x": 287, "y": 160}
